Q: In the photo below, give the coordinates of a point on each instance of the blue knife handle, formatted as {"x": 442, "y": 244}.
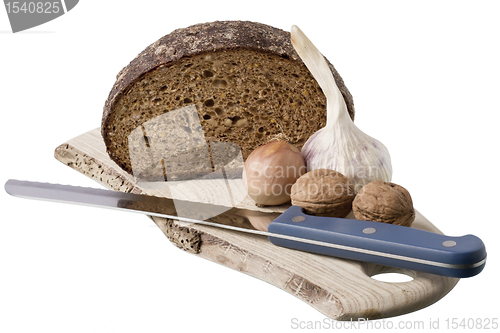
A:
{"x": 379, "y": 243}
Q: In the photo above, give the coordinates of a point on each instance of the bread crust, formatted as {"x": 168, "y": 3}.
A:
{"x": 203, "y": 38}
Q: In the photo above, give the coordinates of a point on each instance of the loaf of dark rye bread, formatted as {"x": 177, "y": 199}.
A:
{"x": 245, "y": 80}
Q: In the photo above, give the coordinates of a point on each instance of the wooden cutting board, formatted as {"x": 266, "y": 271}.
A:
{"x": 340, "y": 289}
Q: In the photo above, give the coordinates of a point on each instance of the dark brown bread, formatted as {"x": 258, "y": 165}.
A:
{"x": 245, "y": 79}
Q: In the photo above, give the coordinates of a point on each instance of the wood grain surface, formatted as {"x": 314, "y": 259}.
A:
{"x": 340, "y": 289}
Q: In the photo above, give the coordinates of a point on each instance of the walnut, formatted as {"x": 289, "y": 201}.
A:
{"x": 384, "y": 202}
{"x": 323, "y": 192}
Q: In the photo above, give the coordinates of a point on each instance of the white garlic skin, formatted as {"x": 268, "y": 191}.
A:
{"x": 350, "y": 151}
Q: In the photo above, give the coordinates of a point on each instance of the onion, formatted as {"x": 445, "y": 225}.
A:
{"x": 271, "y": 170}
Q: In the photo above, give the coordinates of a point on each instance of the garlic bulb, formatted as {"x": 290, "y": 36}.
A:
{"x": 270, "y": 171}
{"x": 340, "y": 145}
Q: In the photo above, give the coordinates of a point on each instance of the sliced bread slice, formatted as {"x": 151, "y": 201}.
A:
{"x": 244, "y": 78}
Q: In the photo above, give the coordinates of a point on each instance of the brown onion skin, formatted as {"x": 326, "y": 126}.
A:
{"x": 271, "y": 170}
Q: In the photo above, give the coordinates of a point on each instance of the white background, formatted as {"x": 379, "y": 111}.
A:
{"x": 425, "y": 77}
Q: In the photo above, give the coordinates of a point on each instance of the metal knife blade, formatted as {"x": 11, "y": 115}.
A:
{"x": 368, "y": 241}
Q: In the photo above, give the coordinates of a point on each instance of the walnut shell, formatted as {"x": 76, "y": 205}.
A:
{"x": 384, "y": 202}
{"x": 323, "y": 192}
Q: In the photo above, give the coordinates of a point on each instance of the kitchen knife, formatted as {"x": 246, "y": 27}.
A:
{"x": 374, "y": 242}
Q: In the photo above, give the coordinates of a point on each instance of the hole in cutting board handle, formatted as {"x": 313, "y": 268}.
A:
{"x": 389, "y": 274}
{"x": 392, "y": 277}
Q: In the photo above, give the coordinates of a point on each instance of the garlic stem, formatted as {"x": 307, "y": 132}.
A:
{"x": 317, "y": 65}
